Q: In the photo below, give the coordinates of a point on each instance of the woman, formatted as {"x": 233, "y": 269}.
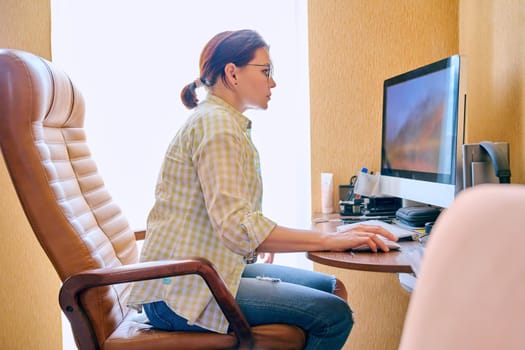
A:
{"x": 208, "y": 204}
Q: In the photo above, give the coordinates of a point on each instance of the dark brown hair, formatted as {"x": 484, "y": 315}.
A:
{"x": 237, "y": 47}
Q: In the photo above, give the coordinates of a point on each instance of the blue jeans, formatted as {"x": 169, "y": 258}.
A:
{"x": 302, "y": 298}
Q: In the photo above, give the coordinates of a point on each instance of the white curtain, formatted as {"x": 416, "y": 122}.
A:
{"x": 130, "y": 59}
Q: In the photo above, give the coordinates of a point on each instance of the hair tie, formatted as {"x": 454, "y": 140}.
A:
{"x": 198, "y": 83}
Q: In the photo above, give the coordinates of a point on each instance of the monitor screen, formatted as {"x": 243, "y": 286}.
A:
{"x": 422, "y": 132}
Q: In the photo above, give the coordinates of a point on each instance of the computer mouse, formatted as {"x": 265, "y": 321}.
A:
{"x": 365, "y": 247}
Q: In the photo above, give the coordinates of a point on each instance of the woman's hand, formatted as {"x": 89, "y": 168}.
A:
{"x": 359, "y": 235}
{"x": 288, "y": 240}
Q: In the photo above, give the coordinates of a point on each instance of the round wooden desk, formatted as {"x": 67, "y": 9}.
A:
{"x": 405, "y": 260}
{"x": 378, "y": 300}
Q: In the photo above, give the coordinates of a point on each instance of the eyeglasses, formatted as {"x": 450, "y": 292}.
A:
{"x": 268, "y": 71}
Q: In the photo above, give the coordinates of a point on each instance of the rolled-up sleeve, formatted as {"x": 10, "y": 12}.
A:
{"x": 257, "y": 227}
{"x": 227, "y": 166}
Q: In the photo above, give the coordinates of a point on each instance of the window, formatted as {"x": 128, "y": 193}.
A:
{"x": 131, "y": 58}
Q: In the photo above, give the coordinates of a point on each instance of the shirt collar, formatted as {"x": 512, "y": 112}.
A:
{"x": 243, "y": 120}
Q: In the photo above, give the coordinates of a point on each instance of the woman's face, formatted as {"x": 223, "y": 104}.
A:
{"x": 255, "y": 81}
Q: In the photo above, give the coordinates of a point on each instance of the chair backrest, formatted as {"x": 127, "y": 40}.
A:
{"x": 470, "y": 292}
{"x": 72, "y": 214}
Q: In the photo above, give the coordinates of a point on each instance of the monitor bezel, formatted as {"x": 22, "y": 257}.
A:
{"x": 429, "y": 188}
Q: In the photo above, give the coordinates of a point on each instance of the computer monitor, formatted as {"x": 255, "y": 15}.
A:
{"x": 423, "y": 132}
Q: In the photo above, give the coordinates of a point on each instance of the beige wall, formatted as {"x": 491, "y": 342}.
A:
{"x": 354, "y": 46}
{"x": 30, "y": 317}
{"x": 492, "y": 37}
{"x": 26, "y": 25}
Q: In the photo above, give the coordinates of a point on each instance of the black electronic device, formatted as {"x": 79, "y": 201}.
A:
{"x": 417, "y": 216}
{"x": 381, "y": 205}
{"x": 351, "y": 207}
{"x": 370, "y": 206}
{"x": 429, "y": 226}
{"x": 348, "y": 204}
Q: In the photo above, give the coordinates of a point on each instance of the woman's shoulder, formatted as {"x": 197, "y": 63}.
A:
{"x": 216, "y": 119}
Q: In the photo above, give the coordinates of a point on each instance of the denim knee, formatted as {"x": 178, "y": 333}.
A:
{"x": 325, "y": 318}
{"x": 334, "y": 329}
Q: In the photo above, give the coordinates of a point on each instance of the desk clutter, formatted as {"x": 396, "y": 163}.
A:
{"x": 354, "y": 207}
{"x": 361, "y": 197}
{"x": 371, "y": 206}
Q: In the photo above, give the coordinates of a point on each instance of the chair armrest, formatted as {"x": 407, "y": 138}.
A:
{"x": 140, "y": 235}
{"x": 75, "y": 285}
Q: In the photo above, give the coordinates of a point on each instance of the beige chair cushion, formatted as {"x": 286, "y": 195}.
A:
{"x": 470, "y": 293}
{"x": 135, "y": 334}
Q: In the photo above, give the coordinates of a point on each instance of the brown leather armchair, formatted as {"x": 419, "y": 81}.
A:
{"x": 83, "y": 231}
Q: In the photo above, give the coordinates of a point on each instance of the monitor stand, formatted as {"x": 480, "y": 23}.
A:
{"x": 485, "y": 162}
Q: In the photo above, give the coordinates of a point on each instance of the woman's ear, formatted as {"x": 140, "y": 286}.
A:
{"x": 230, "y": 71}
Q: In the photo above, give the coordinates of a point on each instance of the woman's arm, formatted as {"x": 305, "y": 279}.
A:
{"x": 282, "y": 239}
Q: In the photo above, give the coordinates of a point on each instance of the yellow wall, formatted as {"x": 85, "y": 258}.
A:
{"x": 492, "y": 37}
{"x": 30, "y": 317}
{"x": 26, "y": 25}
{"x": 354, "y": 46}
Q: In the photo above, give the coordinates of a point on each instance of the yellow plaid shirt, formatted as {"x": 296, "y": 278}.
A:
{"x": 208, "y": 204}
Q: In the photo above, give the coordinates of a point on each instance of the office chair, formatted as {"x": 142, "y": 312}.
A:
{"x": 470, "y": 292}
{"x": 83, "y": 231}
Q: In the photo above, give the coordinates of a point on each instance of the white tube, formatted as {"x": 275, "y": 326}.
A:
{"x": 327, "y": 191}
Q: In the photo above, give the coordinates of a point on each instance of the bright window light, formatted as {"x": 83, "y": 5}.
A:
{"x": 131, "y": 58}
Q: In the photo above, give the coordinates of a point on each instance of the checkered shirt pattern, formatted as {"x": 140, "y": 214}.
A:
{"x": 208, "y": 204}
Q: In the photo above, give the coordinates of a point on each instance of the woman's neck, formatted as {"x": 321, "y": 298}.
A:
{"x": 222, "y": 91}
